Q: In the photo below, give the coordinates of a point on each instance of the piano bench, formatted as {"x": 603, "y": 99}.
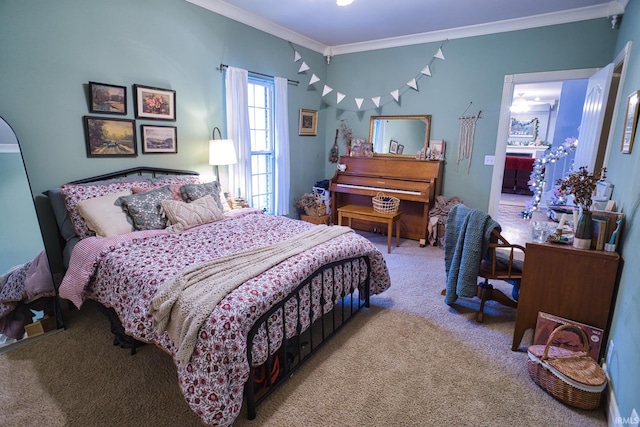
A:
{"x": 367, "y": 213}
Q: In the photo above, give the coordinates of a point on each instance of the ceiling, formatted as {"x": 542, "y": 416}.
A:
{"x": 325, "y": 27}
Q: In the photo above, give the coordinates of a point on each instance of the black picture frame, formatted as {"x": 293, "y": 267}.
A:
{"x": 154, "y": 103}
{"x": 159, "y": 139}
{"x": 110, "y": 137}
{"x": 107, "y": 98}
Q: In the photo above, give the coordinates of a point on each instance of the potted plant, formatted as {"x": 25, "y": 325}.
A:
{"x": 581, "y": 184}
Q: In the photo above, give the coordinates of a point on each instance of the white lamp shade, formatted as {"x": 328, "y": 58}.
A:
{"x": 222, "y": 152}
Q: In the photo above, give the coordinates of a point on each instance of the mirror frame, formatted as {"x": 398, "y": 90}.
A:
{"x": 426, "y": 118}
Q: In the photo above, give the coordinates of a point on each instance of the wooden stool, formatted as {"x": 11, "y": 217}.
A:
{"x": 368, "y": 214}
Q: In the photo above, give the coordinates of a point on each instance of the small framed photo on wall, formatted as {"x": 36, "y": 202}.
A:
{"x": 155, "y": 103}
{"x": 630, "y": 122}
{"x": 159, "y": 139}
{"x": 308, "y": 122}
{"x": 110, "y": 137}
{"x": 107, "y": 99}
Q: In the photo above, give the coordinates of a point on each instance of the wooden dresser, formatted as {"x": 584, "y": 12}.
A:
{"x": 573, "y": 283}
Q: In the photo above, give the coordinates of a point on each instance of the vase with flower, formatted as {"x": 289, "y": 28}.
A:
{"x": 581, "y": 185}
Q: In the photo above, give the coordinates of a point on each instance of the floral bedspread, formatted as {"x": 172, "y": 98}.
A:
{"x": 125, "y": 273}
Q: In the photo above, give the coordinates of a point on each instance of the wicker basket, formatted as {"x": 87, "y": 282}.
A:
{"x": 385, "y": 204}
{"x": 571, "y": 377}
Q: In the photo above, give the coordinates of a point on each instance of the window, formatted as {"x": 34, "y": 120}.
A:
{"x": 261, "y": 127}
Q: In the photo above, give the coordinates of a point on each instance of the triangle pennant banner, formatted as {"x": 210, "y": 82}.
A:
{"x": 426, "y": 71}
{"x": 313, "y": 79}
{"x": 412, "y": 84}
{"x": 359, "y": 102}
{"x": 303, "y": 67}
{"x": 339, "y": 97}
{"x": 326, "y": 90}
{"x": 296, "y": 56}
{"x": 376, "y": 101}
{"x": 394, "y": 93}
{"x": 439, "y": 54}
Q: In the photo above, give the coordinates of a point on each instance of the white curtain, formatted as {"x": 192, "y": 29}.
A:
{"x": 236, "y": 84}
{"x": 281, "y": 147}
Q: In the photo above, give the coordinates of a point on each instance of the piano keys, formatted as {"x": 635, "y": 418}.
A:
{"x": 415, "y": 182}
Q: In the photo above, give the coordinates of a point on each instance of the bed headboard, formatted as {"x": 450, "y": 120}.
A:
{"x": 54, "y": 243}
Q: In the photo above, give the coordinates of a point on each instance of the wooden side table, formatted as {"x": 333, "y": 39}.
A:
{"x": 368, "y": 214}
{"x": 572, "y": 283}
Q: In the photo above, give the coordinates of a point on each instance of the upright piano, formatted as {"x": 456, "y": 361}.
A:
{"x": 415, "y": 182}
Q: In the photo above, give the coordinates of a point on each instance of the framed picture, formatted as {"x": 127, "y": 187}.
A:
{"x": 357, "y": 147}
{"x": 155, "y": 103}
{"x": 107, "y": 99}
{"x": 393, "y": 147}
{"x": 400, "y": 149}
{"x": 110, "y": 137}
{"x": 159, "y": 139}
{"x": 308, "y": 122}
{"x": 630, "y": 122}
{"x": 523, "y": 128}
{"x": 436, "y": 148}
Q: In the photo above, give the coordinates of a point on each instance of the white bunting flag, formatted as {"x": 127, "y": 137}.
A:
{"x": 376, "y": 101}
{"x": 359, "y": 102}
{"x": 339, "y": 97}
{"x": 439, "y": 54}
{"x": 412, "y": 84}
{"x": 394, "y": 93}
{"x": 326, "y": 90}
{"x": 314, "y": 79}
{"x": 296, "y": 56}
{"x": 303, "y": 67}
{"x": 426, "y": 71}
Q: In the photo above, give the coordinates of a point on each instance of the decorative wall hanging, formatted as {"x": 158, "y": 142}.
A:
{"x": 308, "y": 122}
{"x": 376, "y": 100}
{"x": 467, "y": 135}
{"x": 110, "y": 137}
{"x": 630, "y": 122}
{"x": 107, "y": 99}
{"x": 159, "y": 139}
{"x": 155, "y": 103}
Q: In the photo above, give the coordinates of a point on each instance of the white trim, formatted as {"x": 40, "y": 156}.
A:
{"x": 9, "y": 148}
{"x": 573, "y": 15}
{"x": 505, "y": 114}
{"x": 622, "y": 57}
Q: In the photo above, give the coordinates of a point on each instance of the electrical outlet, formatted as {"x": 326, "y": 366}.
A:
{"x": 489, "y": 160}
{"x": 609, "y": 352}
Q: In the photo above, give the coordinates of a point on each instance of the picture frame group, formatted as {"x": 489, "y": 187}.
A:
{"x": 116, "y": 137}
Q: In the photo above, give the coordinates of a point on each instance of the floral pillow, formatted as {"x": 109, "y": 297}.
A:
{"x": 184, "y": 216}
{"x": 175, "y": 188}
{"x": 144, "y": 209}
{"x": 192, "y": 192}
{"x": 75, "y": 193}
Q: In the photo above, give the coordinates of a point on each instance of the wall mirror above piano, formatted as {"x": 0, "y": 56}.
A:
{"x": 399, "y": 135}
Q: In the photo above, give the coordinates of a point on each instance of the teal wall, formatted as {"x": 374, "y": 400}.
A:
{"x": 50, "y": 50}
{"x": 624, "y": 172}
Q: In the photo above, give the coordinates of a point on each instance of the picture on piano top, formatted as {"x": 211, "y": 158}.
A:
{"x": 393, "y": 147}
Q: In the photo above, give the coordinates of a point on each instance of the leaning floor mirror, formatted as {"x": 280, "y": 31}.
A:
{"x": 28, "y": 302}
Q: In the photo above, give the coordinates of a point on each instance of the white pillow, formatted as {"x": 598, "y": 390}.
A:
{"x": 225, "y": 203}
{"x": 103, "y": 216}
{"x": 184, "y": 216}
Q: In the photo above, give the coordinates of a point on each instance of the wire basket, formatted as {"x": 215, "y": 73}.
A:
{"x": 574, "y": 378}
{"x": 385, "y": 204}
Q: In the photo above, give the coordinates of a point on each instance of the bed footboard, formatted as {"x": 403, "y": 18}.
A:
{"x": 287, "y": 354}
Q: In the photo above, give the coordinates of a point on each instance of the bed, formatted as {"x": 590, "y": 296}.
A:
{"x": 260, "y": 318}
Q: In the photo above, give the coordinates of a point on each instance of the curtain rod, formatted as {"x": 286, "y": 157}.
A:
{"x": 291, "y": 82}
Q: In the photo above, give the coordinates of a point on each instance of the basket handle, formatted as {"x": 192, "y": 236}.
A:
{"x": 379, "y": 195}
{"x": 585, "y": 339}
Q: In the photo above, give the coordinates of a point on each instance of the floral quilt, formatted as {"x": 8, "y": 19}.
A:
{"x": 125, "y": 272}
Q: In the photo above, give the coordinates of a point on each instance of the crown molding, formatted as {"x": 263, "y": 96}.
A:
{"x": 607, "y": 10}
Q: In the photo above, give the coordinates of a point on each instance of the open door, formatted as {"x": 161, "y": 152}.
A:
{"x": 593, "y": 117}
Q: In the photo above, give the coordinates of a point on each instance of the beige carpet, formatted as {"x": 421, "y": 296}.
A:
{"x": 410, "y": 360}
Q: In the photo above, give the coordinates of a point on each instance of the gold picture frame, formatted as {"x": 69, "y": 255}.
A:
{"x": 308, "y": 122}
{"x": 630, "y": 122}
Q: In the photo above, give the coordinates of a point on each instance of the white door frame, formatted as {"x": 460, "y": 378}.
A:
{"x": 505, "y": 114}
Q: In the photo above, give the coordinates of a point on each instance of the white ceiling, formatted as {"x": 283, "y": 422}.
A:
{"x": 324, "y": 27}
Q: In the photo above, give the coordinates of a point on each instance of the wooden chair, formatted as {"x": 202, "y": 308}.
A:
{"x": 501, "y": 261}
{"x": 504, "y": 261}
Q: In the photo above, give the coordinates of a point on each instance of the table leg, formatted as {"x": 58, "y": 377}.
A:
{"x": 389, "y": 235}
{"x": 397, "y": 233}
